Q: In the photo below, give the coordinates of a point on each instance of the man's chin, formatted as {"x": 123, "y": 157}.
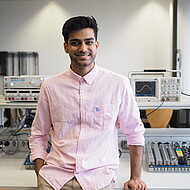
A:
{"x": 84, "y": 64}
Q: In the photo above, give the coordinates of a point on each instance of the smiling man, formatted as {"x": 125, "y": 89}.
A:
{"x": 80, "y": 109}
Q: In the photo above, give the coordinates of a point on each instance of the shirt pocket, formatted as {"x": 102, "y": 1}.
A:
{"x": 102, "y": 116}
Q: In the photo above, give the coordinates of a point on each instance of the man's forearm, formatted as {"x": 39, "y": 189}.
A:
{"x": 38, "y": 163}
{"x": 136, "y": 154}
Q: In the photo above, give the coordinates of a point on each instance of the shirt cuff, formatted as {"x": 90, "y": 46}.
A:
{"x": 34, "y": 156}
{"x": 136, "y": 141}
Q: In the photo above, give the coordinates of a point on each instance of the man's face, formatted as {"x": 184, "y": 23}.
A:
{"x": 82, "y": 47}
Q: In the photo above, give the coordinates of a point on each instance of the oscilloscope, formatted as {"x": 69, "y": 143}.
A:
{"x": 153, "y": 86}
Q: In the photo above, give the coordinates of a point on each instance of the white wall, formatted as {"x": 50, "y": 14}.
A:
{"x": 184, "y": 42}
{"x": 133, "y": 34}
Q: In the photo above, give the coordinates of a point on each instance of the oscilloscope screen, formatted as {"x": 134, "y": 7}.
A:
{"x": 145, "y": 88}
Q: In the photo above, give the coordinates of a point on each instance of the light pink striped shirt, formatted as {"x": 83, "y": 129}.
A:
{"x": 82, "y": 114}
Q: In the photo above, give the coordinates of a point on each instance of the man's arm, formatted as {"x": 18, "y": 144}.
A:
{"x": 135, "y": 182}
{"x": 38, "y": 163}
{"x": 40, "y": 131}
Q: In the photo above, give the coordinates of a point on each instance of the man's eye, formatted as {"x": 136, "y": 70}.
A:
{"x": 89, "y": 42}
{"x": 74, "y": 43}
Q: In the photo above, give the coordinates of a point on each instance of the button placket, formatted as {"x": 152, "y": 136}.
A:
{"x": 82, "y": 104}
{"x": 82, "y": 122}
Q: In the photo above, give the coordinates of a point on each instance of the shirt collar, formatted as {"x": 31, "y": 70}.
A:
{"x": 89, "y": 78}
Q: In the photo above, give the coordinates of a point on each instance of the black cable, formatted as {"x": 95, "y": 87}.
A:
{"x": 185, "y": 94}
{"x": 120, "y": 153}
{"x": 153, "y": 110}
{"x": 3, "y": 131}
{"x": 18, "y": 134}
{"x": 17, "y": 146}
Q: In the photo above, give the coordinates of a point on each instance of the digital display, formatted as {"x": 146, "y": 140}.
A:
{"x": 17, "y": 79}
{"x": 145, "y": 88}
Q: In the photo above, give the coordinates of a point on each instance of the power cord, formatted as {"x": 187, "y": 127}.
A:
{"x": 153, "y": 110}
{"x": 185, "y": 94}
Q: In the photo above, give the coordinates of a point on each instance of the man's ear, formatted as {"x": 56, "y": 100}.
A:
{"x": 97, "y": 44}
{"x": 65, "y": 45}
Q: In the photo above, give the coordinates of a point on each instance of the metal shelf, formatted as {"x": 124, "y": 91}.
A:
{"x": 18, "y": 105}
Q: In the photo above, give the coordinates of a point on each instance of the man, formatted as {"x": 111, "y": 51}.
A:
{"x": 80, "y": 109}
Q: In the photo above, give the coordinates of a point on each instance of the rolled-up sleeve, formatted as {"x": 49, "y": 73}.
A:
{"x": 129, "y": 117}
{"x": 38, "y": 140}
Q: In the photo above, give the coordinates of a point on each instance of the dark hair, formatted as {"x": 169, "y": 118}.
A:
{"x": 78, "y": 23}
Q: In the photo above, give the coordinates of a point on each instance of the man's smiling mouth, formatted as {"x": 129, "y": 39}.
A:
{"x": 83, "y": 54}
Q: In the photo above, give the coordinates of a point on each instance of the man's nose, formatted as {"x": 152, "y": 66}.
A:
{"x": 82, "y": 47}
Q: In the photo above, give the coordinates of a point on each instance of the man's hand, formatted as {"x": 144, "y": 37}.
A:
{"x": 136, "y": 184}
{"x": 38, "y": 163}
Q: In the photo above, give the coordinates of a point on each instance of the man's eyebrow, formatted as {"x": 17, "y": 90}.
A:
{"x": 87, "y": 39}
{"x": 74, "y": 40}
